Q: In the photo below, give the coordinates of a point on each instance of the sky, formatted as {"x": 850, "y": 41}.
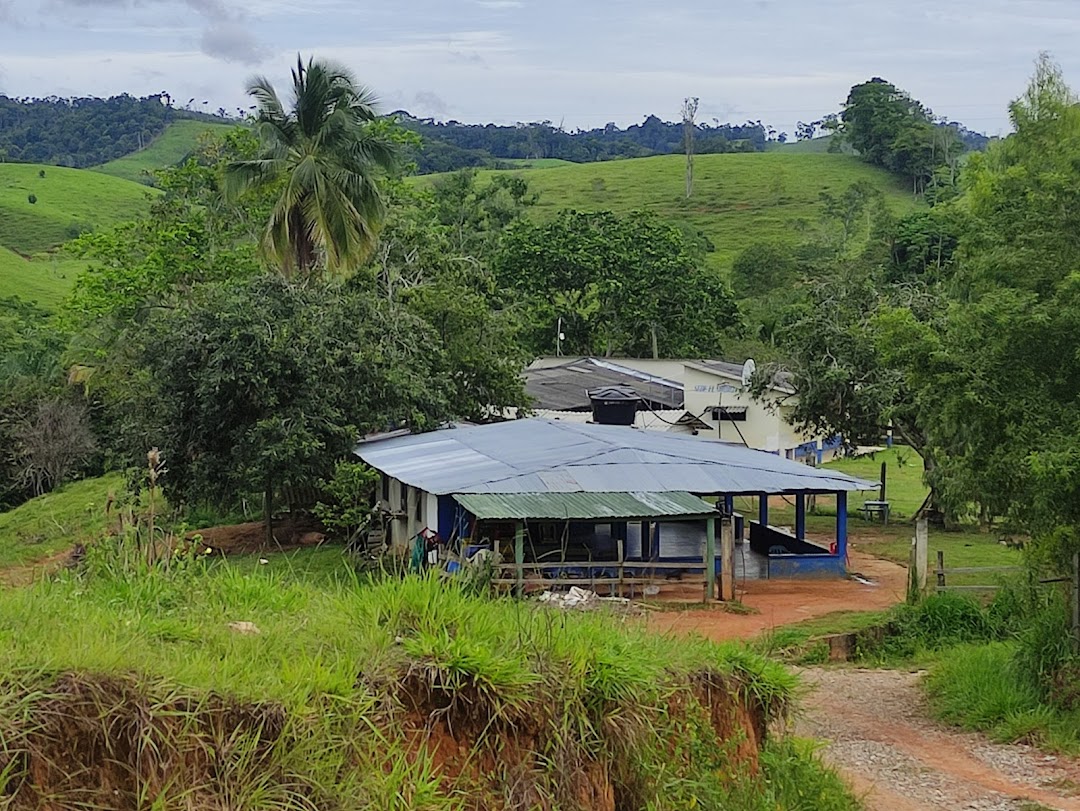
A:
{"x": 579, "y": 63}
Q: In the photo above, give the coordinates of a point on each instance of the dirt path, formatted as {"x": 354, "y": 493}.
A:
{"x": 782, "y": 602}
{"x": 875, "y": 728}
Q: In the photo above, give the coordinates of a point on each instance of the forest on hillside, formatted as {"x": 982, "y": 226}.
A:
{"x": 83, "y": 132}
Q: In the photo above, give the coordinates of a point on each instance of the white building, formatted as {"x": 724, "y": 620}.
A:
{"x": 715, "y": 402}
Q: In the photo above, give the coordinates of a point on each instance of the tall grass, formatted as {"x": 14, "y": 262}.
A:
{"x": 399, "y": 694}
{"x": 981, "y": 686}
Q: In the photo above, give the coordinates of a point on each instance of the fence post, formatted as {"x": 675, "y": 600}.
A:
{"x": 940, "y": 570}
{"x": 922, "y": 551}
{"x": 912, "y": 575}
{"x": 1076, "y": 601}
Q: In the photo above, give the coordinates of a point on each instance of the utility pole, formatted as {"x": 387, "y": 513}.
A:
{"x": 689, "y": 112}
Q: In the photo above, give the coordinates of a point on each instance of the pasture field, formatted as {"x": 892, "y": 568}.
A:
{"x": 171, "y": 147}
{"x": 738, "y": 198}
{"x": 67, "y": 202}
{"x": 45, "y": 279}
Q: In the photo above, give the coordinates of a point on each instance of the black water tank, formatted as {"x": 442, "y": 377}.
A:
{"x": 614, "y": 405}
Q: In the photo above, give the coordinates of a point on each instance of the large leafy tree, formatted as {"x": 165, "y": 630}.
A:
{"x": 323, "y": 156}
{"x": 619, "y": 284}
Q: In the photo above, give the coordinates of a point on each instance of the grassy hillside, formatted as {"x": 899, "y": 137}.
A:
{"x": 45, "y": 279}
{"x": 738, "y": 198}
{"x": 177, "y": 141}
{"x": 815, "y": 146}
{"x": 56, "y": 521}
{"x": 68, "y": 201}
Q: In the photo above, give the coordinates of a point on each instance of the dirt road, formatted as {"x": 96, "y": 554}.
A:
{"x": 875, "y": 728}
{"x": 782, "y": 602}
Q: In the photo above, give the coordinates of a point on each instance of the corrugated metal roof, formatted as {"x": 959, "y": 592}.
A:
{"x": 584, "y": 506}
{"x": 543, "y": 456}
{"x": 564, "y": 387}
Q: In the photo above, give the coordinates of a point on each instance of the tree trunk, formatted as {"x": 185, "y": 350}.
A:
{"x": 655, "y": 344}
{"x": 268, "y": 511}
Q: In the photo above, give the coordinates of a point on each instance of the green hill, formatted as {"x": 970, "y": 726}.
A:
{"x": 177, "y": 142}
{"x": 738, "y": 198}
{"x": 45, "y": 280}
{"x": 67, "y": 203}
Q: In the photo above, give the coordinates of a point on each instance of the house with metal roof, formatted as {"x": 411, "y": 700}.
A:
{"x": 714, "y": 397}
{"x": 590, "y": 501}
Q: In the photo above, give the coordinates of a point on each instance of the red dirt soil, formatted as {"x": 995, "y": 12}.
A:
{"x": 783, "y": 602}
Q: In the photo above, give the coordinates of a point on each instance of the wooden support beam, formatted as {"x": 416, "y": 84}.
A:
{"x": 800, "y": 516}
{"x": 727, "y": 558}
{"x": 763, "y": 509}
{"x": 710, "y": 559}
{"x": 841, "y": 525}
{"x": 519, "y": 557}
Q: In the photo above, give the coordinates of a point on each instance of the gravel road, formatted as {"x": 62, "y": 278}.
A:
{"x": 876, "y": 731}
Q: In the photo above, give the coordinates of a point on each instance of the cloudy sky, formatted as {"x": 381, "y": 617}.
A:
{"x": 580, "y": 62}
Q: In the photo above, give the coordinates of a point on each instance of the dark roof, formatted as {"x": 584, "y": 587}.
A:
{"x": 565, "y": 387}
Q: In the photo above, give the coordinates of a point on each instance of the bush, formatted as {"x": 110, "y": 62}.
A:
{"x": 32, "y": 198}
{"x": 349, "y": 494}
{"x": 939, "y": 621}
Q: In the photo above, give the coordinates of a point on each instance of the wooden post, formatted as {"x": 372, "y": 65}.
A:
{"x": 519, "y": 557}
{"x": 710, "y": 559}
{"x": 763, "y": 509}
{"x": 800, "y": 516}
{"x": 881, "y": 491}
{"x": 621, "y": 546}
{"x": 727, "y": 558}
{"x": 1076, "y": 601}
{"x": 940, "y": 570}
{"x": 922, "y": 552}
{"x": 913, "y": 575}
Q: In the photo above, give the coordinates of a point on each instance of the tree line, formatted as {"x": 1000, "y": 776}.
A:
{"x": 446, "y": 146}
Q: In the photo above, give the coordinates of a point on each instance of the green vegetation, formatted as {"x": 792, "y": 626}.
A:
{"x": 417, "y": 676}
{"x": 69, "y": 202}
{"x": 176, "y": 142}
{"x": 807, "y": 146}
{"x": 45, "y": 279}
{"x": 77, "y": 132}
{"x": 738, "y": 199}
{"x": 57, "y": 521}
{"x": 981, "y": 687}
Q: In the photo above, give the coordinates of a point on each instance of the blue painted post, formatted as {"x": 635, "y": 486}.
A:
{"x": 800, "y": 515}
{"x": 729, "y": 505}
{"x": 841, "y": 525}
{"x": 763, "y": 509}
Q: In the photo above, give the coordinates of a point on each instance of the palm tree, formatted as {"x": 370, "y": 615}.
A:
{"x": 322, "y": 158}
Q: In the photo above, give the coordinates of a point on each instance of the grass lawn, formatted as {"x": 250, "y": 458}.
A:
{"x": 69, "y": 202}
{"x": 738, "y": 198}
{"x": 56, "y": 521}
{"x": 178, "y": 141}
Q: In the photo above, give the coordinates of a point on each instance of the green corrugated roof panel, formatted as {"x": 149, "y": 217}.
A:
{"x": 584, "y": 506}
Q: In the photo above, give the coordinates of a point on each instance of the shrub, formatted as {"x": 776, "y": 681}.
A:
{"x": 349, "y": 493}
{"x": 32, "y": 198}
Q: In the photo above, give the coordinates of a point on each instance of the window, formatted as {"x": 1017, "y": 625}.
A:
{"x": 722, "y": 414}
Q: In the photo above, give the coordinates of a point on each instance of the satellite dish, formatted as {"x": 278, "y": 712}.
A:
{"x": 748, "y": 370}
